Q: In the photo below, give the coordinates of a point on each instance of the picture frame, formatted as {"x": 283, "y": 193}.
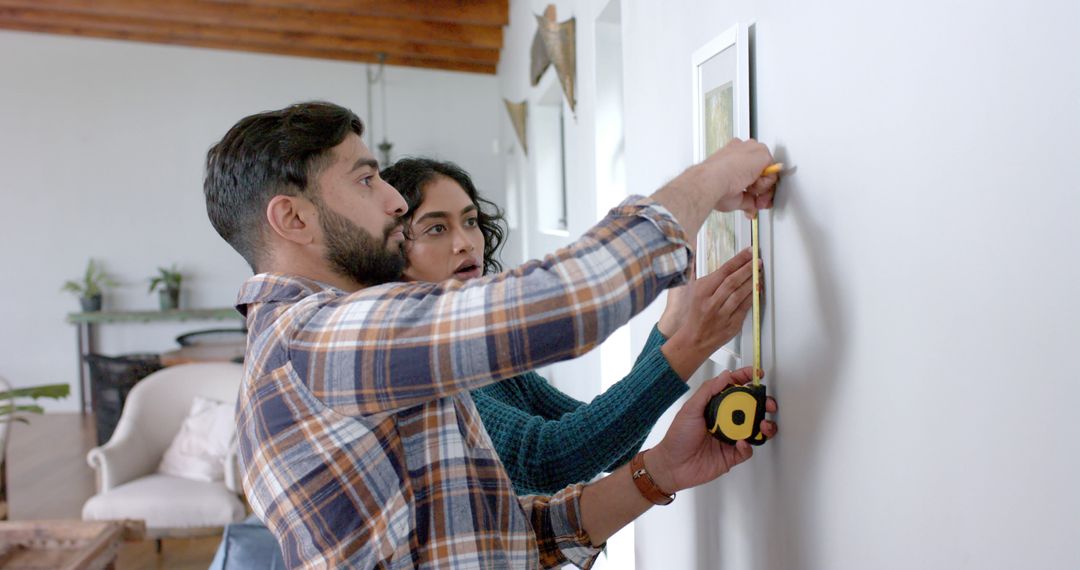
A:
{"x": 720, "y": 72}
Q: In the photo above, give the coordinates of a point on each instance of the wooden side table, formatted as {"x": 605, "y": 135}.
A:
{"x": 65, "y": 544}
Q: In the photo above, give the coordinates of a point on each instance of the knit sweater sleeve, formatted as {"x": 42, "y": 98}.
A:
{"x": 547, "y": 442}
{"x": 543, "y": 399}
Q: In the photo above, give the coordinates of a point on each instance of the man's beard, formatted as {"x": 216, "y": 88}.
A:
{"x": 354, "y": 253}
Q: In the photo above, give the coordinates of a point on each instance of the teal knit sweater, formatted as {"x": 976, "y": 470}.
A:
{"x": 548, "y": 440}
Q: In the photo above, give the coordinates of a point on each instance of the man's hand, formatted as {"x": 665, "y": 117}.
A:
{"x": 729, "y": 180}
{"x": 740, "y": 164}
{"x": 744, "y": 161}
{"x": 707, "y": 313}
{"x": 689, "y": 455}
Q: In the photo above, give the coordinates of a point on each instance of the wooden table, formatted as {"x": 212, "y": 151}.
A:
{"x": 65, "y": 544}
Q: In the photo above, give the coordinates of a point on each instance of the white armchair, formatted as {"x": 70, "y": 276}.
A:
{"x": 129, "y": 486}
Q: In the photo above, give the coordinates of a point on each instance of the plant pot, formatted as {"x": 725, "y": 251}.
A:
{"x": 170, "y": 298}
{"x": 91, "y": 304}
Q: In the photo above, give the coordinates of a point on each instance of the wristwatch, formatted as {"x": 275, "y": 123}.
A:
{"x": 645, "y": 483}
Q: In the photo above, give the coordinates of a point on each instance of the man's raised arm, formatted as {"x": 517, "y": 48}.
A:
{"x": 728, "y": 180}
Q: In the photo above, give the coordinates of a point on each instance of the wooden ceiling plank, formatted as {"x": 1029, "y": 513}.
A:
{"x": 244, "y": 46}
{"x": 280, "y": 19}
{"x": 181, "y": 30}
{"x": 478, "y": 12}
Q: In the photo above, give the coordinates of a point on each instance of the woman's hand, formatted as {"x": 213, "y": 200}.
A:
{"x": 707, "y": 313}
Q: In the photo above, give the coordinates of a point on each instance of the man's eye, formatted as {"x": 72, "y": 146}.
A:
{"x": 472, "y": 222}
{"x": 367, "y": 180}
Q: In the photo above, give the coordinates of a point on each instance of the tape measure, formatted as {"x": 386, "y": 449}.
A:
{"x": 736, "y": 413}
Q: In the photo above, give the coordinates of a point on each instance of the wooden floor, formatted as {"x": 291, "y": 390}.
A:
{"x": 48, "y": 478}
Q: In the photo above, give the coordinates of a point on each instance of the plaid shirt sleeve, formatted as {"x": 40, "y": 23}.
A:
{"x": 556, "y": 521}
{"x": 398, "y": 345}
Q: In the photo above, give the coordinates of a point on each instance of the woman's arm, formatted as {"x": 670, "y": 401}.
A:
{"x": 543, "y": 454}
{"x": 706, "y": 313}
{"x": 545, "y": 400}
{"x": 548, "y": 440}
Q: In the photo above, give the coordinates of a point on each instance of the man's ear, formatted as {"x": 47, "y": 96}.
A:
{"x": 293, "y": 218}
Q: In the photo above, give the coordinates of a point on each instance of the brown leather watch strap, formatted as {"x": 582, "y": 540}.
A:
{"x": 645, "y": 483}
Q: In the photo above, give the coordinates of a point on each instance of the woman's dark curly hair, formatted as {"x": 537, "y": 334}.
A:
{"x": 411, "y": 175}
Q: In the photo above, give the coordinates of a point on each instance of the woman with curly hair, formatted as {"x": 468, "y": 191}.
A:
{"x": 546, "y": 439}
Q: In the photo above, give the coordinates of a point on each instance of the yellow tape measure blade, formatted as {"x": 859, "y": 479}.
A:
{"x": 756, "y": 284}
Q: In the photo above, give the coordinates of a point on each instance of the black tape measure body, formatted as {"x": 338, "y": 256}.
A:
{"x": 736, "y": 413}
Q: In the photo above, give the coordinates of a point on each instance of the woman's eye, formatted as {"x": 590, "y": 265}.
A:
{"x": 436, "y": 229}
{"x": 472, "y": 222}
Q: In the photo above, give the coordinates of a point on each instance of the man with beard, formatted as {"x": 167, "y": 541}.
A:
{"x": 360, "y": 446}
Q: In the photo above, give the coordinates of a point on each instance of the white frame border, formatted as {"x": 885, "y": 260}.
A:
{"x": 738, "y": 36}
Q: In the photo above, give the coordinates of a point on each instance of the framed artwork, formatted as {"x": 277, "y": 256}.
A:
{"x": 721, "y": 90}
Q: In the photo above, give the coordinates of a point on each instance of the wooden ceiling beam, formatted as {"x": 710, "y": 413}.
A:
{"x": 191, "y": 34}
{"x": 279, "y": 19}
{"x": 246, "y": 46}
{"x": 477, "y": 12}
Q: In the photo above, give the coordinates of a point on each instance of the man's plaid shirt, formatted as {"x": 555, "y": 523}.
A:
{"x": 360, "y": 445}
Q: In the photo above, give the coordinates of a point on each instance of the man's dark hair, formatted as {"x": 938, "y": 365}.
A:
{"x": 264, "y": 155}
{"x": 411, "y": 175}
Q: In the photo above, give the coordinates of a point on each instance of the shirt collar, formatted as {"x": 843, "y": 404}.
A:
{"x": 277, "y": 287}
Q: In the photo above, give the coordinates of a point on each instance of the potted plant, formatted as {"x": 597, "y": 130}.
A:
{"x": 89, "y": 288}
{"x": 9, "y": 409}
{"x": 167, "y": 282}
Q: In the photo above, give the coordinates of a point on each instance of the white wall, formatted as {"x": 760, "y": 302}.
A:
{"x": 925, "y": 275}
{"x": 534, "y": 237}
{"x": 102, "y": 145}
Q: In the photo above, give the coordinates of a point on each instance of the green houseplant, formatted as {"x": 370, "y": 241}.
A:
{"x": 167, "y": 282}
{"x": 9, "y": 410}
{"x": 10, "y": 407}
{"x": 90, "y": 286}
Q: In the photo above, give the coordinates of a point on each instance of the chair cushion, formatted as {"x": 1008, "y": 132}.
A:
{"x": 248, "y": 545}
{"x": 164, "y": 501}
{"x": 198, "y": 451}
